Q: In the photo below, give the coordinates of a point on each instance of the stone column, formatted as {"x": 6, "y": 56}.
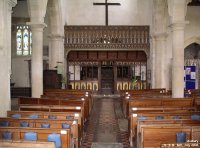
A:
{"x": 153, "y": 65}
{"x": 178, "y": 59}
{"x": 177, "y": 11}
{"x": 37, "y": 11}
{"x": 37, "y": 58}
{"x": 56, "y": 46}
{"x": 56, "y": 41}
{"x": 160, "y": 41}
{"x": 5, "y": 54}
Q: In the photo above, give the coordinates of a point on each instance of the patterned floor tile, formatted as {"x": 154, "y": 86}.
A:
{"x": 102, "y": 125}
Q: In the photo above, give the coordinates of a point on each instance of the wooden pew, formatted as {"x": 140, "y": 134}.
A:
{"x": 127, "y": 98}
{"x": 197, "y": 103}
{"x": 54, "y": 123}
{"x": 69, "y": 93}
{"x": 61, "y": 95}
{"x": 25, "y": 144}
{"x": 159, "y": 102}
{"x": 165, "y": 122}
{"x": 59, "y": 115}
{"x": 154, "y": 136}
{"x": 166, "y": 115}
{"x": 85, "y": 100}
{"x": 58, "y": 105}
{"x": 143, "y": 91}
{"x": 42, "y": 133}
{"x": 142, "y": 103}
{"x": 54, "y": 108}
{"x": 133, "y": 119}
{"x": 194, "y": 92}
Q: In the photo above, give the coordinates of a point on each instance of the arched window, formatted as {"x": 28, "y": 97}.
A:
{"x": 24, "y": 40}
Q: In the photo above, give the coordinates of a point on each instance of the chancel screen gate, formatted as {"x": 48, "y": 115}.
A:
{"x": 107, "y": 77}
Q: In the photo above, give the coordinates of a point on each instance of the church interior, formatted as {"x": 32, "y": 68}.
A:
{"x": 99, "y": 73}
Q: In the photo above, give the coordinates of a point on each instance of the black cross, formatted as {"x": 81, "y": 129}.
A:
{"x": 106, "y": 8}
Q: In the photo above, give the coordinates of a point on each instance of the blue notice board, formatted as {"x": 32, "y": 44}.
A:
{"x": 190, "y": 77}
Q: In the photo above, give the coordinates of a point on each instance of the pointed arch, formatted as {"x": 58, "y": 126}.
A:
{"x": 191, "y": 40}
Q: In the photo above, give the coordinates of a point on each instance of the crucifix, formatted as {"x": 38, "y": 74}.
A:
{"x": 106, "y": 8}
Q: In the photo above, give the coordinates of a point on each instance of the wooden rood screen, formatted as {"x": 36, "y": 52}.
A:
{"x": 123, "y": 37}
{"x": 105, "y": 70}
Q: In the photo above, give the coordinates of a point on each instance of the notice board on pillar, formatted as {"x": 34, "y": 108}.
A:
{"x": 190, "y": 77}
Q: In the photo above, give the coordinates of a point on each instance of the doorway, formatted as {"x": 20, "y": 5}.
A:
{"x": 107, "y": 77}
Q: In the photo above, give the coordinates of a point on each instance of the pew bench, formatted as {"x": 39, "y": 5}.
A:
{"x": 45, "y": 123}
{"x": 154, "y": 136}
{"x": 69, "y": 93}
{"x": 41, "y": 134}
{"x": 162, "y": 116}
{"x": 54, "y": 108}
{"x": 143, "y": 91}
{"x": 26, "y": 144}
{"x": 125, "y": 100}
{"x": 45, "y": 115}
{"x": 64, "y": 100}
{"x": 160, "y": 102}
{"x": 54, "y": 104}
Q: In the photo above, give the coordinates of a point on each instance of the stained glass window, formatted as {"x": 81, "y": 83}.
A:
{"x": 24, "y": 40}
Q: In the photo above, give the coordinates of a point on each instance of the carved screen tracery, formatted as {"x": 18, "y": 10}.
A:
{"x": 128, "y": 37}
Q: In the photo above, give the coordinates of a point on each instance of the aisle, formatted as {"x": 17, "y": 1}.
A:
{"x": 103, "y": 123}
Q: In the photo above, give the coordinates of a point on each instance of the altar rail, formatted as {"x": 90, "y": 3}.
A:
{"x": 128, "y": 37}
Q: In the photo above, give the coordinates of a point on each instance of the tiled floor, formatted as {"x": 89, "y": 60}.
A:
{"x": 103, "y": 123}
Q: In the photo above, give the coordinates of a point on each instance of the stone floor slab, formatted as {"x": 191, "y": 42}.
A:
{"x": 106, "y": 145}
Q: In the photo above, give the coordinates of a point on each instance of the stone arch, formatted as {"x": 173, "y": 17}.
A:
{"x": 192, "y": 51}
{"x": 192, "y": 57}
{"x": 191, "y": 40}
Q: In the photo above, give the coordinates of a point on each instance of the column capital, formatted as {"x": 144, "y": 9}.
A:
{"x": 177, "y": 9}
{"x": 37, "y": 10}
{"x": 178, "y": 25}
{"x": 37, "y": 25}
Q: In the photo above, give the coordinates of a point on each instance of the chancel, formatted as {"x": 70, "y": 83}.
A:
{"x": 99, "y": 73}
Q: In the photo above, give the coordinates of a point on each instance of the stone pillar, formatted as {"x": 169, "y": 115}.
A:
{"x": 153, "y": 65}
{"x": 37, "y": 11}
{"x": 177, "y": 11}
{"x": 56, "y": 46}
{"x": 56, "y": 41}
{"x": 37, "y": 58}
{"x": 5, "y": 54}
{"x": 160, "y": 41}
{"x": 178, "y": 59}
